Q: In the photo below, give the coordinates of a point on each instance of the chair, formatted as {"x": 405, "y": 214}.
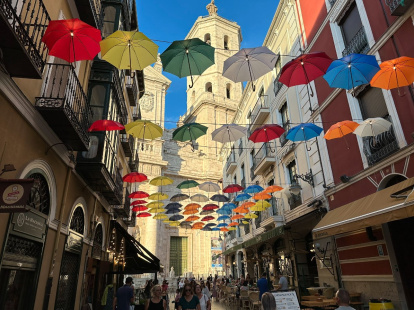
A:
{"x": 230, "y": 296}
{"x": 254, "y": 300}
{"x": 244, "y": 299}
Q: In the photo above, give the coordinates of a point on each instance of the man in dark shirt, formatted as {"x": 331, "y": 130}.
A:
{"x": 262, "y": 285}
{"x": 124, "y": 295}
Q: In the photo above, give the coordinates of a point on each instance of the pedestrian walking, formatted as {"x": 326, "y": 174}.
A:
{"x": 177, "y": 298}
{"x": 342, "y": 299}
{"x": 156, "y": 302}
{"x": 268, "y": 301}
{"x": 189, "y": 301}
{"x": 124, "y": 296}
{"x": 205, "y": 303}
{"x": 262, "y": 285}
{"x": 205, "y": 290}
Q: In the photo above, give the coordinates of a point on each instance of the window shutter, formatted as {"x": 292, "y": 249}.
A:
{"x": 373, "y": 104}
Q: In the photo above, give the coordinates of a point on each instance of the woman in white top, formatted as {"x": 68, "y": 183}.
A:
{"x": 205, "y": 290}
{"x": 181, "y": 284}
{"x": 205, "y": 303}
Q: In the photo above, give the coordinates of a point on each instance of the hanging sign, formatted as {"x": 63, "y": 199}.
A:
{"x": 14, "y": 194}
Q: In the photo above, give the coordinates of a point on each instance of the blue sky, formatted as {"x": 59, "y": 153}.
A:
{"x": 170, "y": 20}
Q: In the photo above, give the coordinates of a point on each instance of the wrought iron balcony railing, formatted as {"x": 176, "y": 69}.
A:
{"x": 22, "y": 26}
{"x": 90, "y": 11}
{"x": 230, "y": 160}
{"x": 132, "y": 90}
{"x": 64, "y": 105}
{"x": 399, "y": 7}
{"x": 261, "y": 154}
{"x": 358, "y": 44}
{"x": 261, "y": 103}
{"x": 118, "y": 185}
{"x": 381, "y": 146}
{"x": 127, "y": 142}
{"x": 118, "y": 78}
{"x": 282, "y": 138}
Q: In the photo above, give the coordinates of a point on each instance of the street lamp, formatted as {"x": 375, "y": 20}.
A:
{"x": 295, "y": 188}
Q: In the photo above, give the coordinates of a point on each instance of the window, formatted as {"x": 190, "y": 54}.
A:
{"x": 209, "y": 87}
{"x": 294, "y": 200}
{"x": 207, "y": 38}
{"x": 251, "y": 159}
{"x": 242, "y": 171}
{"x": 228, "y": 88}
{"x": 278, "y": 66}
{"x": 292, "y": 171}
{"x": 110, "y": 15}
{"x": 350, "y": 24}
{"x": 226, "y": 42}
{"x": 284, "y": 113}
{"x": 372, "y": 103}
{"x": 235, "y": 179}
{"x": 97, "y": 101}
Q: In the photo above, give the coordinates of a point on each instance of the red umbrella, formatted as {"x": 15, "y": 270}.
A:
{"x": 143, "y": 214}
{"x": 210, "y": 206}
{"x": 134, "y": 177}
{"x": 233, "y": 188}
{"x": 138, "y": 202}
{"x": 72, "y": 40}
{"x": 105, "y": 125}
{"x": 139, "y": 208}
{"x": 208, "y": 218}
{"x": 138, "y": 194}
{"x": 266, "y": 133}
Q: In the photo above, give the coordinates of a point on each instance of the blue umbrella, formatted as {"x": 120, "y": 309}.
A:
{"x": 303, "y": 132}
{"x": 215, "y": 229}
{"x": 223, "y": 217}
{"x": 242, "y": 197}
{"x": 229, "y": 206}
{"x": 176, "y": 217}
{"x": 351, "y": 71}
{"x": 173, "y": 205}
{"x": 172, "y": 211}
{"x": 223, "y": 211}
{"x": 221, "y": 225}
{"x": 253, "y": 189}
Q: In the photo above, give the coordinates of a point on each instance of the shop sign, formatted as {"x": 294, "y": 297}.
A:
{"x": 74, "y": 243}
{"x": 30, "y": 224}
{"x": 14, "y": 194}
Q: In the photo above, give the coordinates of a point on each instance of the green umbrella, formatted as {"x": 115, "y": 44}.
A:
{"x": 189, "y": 132}
{"x": 187, "y": 184}
{"x": 187, "y": 57}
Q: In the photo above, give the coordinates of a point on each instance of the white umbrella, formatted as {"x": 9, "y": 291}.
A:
{"x": 249, "y": 64}
{"x": 199, "y": 198}
{"x": 209, "y": 187}
{"x": 228, "y": 133}
{"x": 372, "y": 127}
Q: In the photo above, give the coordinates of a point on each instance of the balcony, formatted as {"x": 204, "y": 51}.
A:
{"x": 131, "y": 221}
{"x": 282, "y": 138}
{"x": 22, "y": 25}
{"x": 399, "y": 7}
{"x": 358, "y": 44}
{"x": 123, "y": 210}
{"x": 127, "y": 142}
{"x": 64, "y": 106}
{"x": 263, "y": 159}
{"x": 97, "y": 168}
{"x": 381, "y": 146}
{"x": 259, "y": 113}
{"x": 131, "y": 86}
{"x": 277, "y": 86}
{"x": 90, "y": 11}
{"x": 136, "y": 113}
{"x": 231, "y": 164}
{"x": 294, "y": 201}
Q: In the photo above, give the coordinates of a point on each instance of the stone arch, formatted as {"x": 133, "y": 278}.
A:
{"x": 209, "y": 87}
{"x": 391, "y": 179}
{"x": 207, "y": 38}
{"x": 42, "y": 167}
{"x": 228, "y": 91}
{"x": 102, "y": 222}
{"x": 226, "y": 42}
{"x": 80, "y": 202}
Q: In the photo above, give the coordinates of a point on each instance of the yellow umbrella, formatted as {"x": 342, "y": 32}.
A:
{"x": 130, "y": 50}
{"x": 158, "y": 196}
{"x": 155, "y": 204}
{"x": 251, "y": 216}
{"x": 174, "y": 223}
{"x": 156, "y": 210}
{"x": 261, "y": 204}
{"x": 245, "y": 222}
{"x": 258, "y": 208}
{"x": 160, "y": 216}
{"x": 142, "y": 129}
{"x": 161, "y": 181}
{"x": 231, "y": 228}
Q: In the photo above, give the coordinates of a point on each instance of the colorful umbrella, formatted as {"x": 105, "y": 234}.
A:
{"x": 176, "y": 217}
{"x": 173, "y": 223}
{"x": 187, "y": 58}
{"x": 261, "y": 205}
{"x": 158, "y": 196}
{"x": 144, "y": 130}
{"x": 206, "y": 212}
{"x": 237, "y": 217}
{"x": 215, "y": 229}
{"x": 272, "y": 189}
{"x": 173, "y": 205}
{"x": 193, "y": 211}
{"x": 245, "y": 222}
{"x": 134, "y": 177}
{"x": 224, "y": 229}
{"x": 341, "y": 129}
{"x": 161, "y": 181}
{"x": 242, "y": 197}
{"x": 262, "y": 195}
{"x": 209, "y": 187}
{"x": 249, "y": 64}
{"x": 223, "y": 218}
{"x": 179, "y": 197}
{"x": 189, "y": 132}
{"x": 187, "y": 184}
{"x": 211, "y": 224}
{"x": 222, "y": 225}
{"x": 72, "y": 40}
{"x": 156, "y": 210}
{"x": 207, "y": 218}
{"x": 173, "y": 211}
{"x": 130, "y": 50}
{"x": 138, "y": 194}
{"x": 251, "y": 216}
{"x": 143, "y": 214}
{"x": 266, "y": 133}
{"x": 139, "y": 208}
{"x": 233, "y": 188}
{"x": 219, "y": 198}
{"x": 241, "y": 210}
{"x": 210, "y": 206}
{"x": 198, "y": 224}
{"x": 351, "y": 71}
{"x": 192, "y": 218}
{"x": 199, "y": 198}
{"x": 229, "y": 206}
{"x": 223, "y": 211}
{"x": 303, "y": 132}
{"x": 105, "y": 125}
{"x": 160, "y": 217}
{"x": 228, "y": 133}
{"x": 155, "y": 204}
{"x": 231, "y": 228}
{"x": 233, "y": 224}
{"x": 138, "y": 202}
{"x": 395, "y": 73}
{"x": 192, "y": 206}
{"x": 205, "y": 228}
{"x": 372, "y": 127}
{"x": 248, "y": 204}
{"x": 253, "y": 189}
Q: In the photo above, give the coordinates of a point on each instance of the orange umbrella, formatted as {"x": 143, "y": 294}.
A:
{"x": 233, "y": 224}
{"x": 241, "y": 210}
{"x": 262, "y": 196}
{"x": 200, "y": 224}
{"x": 192, "y": 218}
{"x": 272, "y": 189}
{"x": 224, "y": 229}
{"x": 237, "y": 216}
{"x": 340, "y": 129}
{"x": 248, "y": 204}
{"x": 192, "y": 206}
{"x": 187, "y": 212}
{"x": 394, "y": 73}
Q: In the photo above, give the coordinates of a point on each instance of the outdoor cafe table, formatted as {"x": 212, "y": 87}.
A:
{"x": 318, "y": 304}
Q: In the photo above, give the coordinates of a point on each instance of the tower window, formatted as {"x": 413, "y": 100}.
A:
{"x": 207, "y": 38}
{"x": 228, "y": 91}
{"x": 226, "y": 42}
{"x": 209, "y": 87}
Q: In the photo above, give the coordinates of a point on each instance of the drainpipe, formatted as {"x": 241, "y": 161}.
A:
{"x": 57, "y": 238}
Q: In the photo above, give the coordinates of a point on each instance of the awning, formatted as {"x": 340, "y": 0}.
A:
{"x": 374, "y": 209}
{"x": 138, "y": 259}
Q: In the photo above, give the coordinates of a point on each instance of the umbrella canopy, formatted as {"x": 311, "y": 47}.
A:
{"x": 394, "y": 73}
{"x": 222, "y": 225}
{"x": 340, "y": 129}
{"x": 241, "y": 210}
{"x": 219, "y": 198}
{"x": 187, "y": 58}
{"x": 173, "y": 211}
{"x": 134, "y": 177}
{"x": 372, "y": 127}
{"x": 192, "y": 218}
{"x": 230, "y": 228}
{"x": 174, "y": 223}
{"x": 192, "y": 206}
{"x": 206, "y": 228}
{"x": 189, "y": 132}
{"x": 211, "y": 224}
{"x": 161, "y": 181}
{"x": 233, "y": 224}
{"x": 237, "y": 217}
{"x": 251, "y": 216}
{"x": 262, "y": 195}
{"x": 191, "y": 211}
{"x": 206, "y": 212}
{"x": 228, "y": 133}
{"x": 253, "y": 189}
{"x": 233, "y": 188}
{"x": 187, "y": 184}
{"x": 156, "y": 210}
{"x": 72, "y": 40}
{"x": 272, "y": 189}
{"x": 210, "y": 206}
{"x": 303, "y": 132}
{"x": 242, "y": 197}
{"x": 266, "y": 133}
{"x": 223, "y": 218}
{"x": 144, "y": 130}
{"x": 351, "y": 71}
{"x": 245, "y": 222}
{"x": 199, "y": 198}
{"x": 224, "y": 229}
{"x": 130, "y": 50}
{"x": 249, "y": 64}
{"x": 176, "y": 217}
{"x": 260, "y": 205}
{"x": 160, "y": 216}
{"x": 223, "y": 211}
{"x": 248, "y": 204}
{"x": 215, "y": 229}
{"x": 138, "y": 194}
{"x": 209, "y": 187}
{"x": 229, "y": 206}
{"x": 143, "y": 214}
{"x": 185, "y": 224}
{"x": 139, "y": 208}
{"x": 158, "y": 196}
{"x": 179, "y": 197}
{"x": 198, "y": 224}
{"x": 105, "y": 125}
{"x": 138, "y": 202}
{"x": 173, "y": 205}
{"x": 208, "y": 218}
{"x": 155, "y": 204}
